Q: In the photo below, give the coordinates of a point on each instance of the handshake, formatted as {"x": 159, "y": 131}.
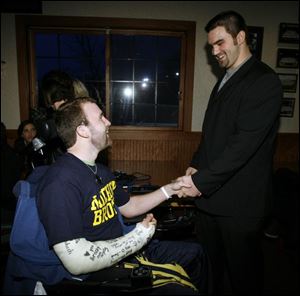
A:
{"x": 183, "y": 186}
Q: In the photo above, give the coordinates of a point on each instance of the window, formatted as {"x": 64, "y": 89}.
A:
{"x": 80, "y": 55}
{"x": 145, "y": 80}
{"x": 142, "y": 73}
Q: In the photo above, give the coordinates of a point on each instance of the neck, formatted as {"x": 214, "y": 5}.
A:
{"x": 86, "y": 155}
{"x": 245, "y": 54}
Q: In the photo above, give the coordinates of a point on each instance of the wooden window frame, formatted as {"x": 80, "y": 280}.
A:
{"x": 24, "y": 23}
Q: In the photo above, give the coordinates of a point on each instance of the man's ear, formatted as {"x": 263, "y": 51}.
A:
{"x": 241, "y": 37}
{"x": 82, "y": 131}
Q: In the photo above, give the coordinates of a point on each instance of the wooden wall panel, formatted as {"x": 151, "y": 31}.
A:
{"x": 170, "y": 147}
{"x": 178, "y": 147}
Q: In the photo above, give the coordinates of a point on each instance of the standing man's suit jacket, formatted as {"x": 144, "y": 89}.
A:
{"x": 235, "y": 156}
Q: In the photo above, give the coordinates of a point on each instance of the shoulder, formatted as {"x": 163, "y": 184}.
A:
{"x": 64, "y": 169}
{"x": 104, "y": 169}
{"x": 259, "y": 75}
{"x": 260, "y": 69}
{"x": 105, "y": 173}
{"x": 19, "y": 144}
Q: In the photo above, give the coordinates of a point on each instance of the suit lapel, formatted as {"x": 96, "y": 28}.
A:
{"x": 239, "y": 75}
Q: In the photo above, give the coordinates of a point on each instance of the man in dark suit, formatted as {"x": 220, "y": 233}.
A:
{"x": 231, "y": 171}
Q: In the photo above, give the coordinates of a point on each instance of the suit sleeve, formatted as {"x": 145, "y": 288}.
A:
{"x": 198, "y": 159}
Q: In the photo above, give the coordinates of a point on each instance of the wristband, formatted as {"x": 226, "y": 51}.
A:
{"x": 165, "y": 192}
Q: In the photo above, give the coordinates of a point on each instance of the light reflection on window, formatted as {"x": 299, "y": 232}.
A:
{"x": 127, "y": 92}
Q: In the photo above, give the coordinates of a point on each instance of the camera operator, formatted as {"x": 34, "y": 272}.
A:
{"x": 56, "y": 88}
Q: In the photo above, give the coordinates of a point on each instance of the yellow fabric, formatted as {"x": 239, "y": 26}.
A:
{"x": 163, "y": 277}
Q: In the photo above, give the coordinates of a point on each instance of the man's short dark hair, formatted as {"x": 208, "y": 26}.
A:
{"x": 232, "y": 21}
{"x": 68, "y": 117}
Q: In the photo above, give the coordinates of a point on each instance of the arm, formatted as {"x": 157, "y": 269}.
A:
{"x": 80, "y": 256}
{"x": 141, "y": 204}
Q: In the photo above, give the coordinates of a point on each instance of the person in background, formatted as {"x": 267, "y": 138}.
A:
{"x": 80, "y": 89}
{"x": 10, "y": 174}
{"x": 24, "y": 146}
{"x": 231, "y": 172}
{"x": 82, "y": 195}
{"x": 56, "y": 88}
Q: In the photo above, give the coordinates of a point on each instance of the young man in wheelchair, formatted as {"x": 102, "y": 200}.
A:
{"x": 78, "y": 202}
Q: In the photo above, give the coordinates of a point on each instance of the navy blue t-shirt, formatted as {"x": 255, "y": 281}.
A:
{"x": 73, "y": 204}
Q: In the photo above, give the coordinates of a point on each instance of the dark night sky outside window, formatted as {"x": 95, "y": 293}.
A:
{"x": 80, "y": 55}
{"x": 145, "y": 80}
{"x": 144, "y": 73}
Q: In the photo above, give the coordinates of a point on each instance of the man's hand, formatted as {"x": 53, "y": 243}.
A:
{"x": 175, "y": 187}
{"x": 189, "y": 189}
{"x": 190, "y": 171}
{"x": 149, "y": 220}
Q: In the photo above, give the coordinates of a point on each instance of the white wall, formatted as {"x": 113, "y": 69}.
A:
{"x": 267, "y": 14}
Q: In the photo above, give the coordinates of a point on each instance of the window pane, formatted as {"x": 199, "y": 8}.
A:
{"x": 121, "y": 46}
{"x": 122, "y": 93}
{"x": 167, "y": 115}
{"x": 144, "y": 71}
{"x": 167, "y": 94}
{"x": 83, "y": 69}
{"x": 72, "y": 66}
{"x": 144, "y": 93}
{"x": 144, "y": 115}
{"x": 94, "y": 68}
{"x": 96, "y": 91}
{"x": 168, "y": 71}
{"x": 169, "y": 48}
{"x": 121, "y": 70}
{"x": 81, "y": 45}
{"x": 46, "y": 45}
{"x": 80, "y": 55}
{"x": 45, "y": 65}
{"x": 147, "y": 61}
{"x": 121, "y": 114}
{"x": 145, "y": 47}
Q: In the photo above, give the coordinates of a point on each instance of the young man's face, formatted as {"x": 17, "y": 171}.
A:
{"x": 225, "y": 48}
{"x": 98, "y": 126}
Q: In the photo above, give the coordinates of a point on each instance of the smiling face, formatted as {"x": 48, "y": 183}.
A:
{"x": 98, "y": 126}
{"x": 226, "y": 49}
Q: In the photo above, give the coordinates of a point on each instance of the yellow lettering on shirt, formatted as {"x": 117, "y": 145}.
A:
{"x": 103, "y": 205}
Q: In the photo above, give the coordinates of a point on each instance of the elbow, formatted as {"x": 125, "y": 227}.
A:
{"x": 73, "y": 268}
{"x": 76, "y": 266}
